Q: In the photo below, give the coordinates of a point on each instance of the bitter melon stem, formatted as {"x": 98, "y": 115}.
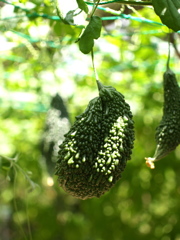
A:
{"x": 100, "y": 85}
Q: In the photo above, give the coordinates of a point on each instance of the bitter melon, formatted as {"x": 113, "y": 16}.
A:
{"x": 56, "y": 125}
{"x": 95, "y": 150}
{"x": 168, "y": 132}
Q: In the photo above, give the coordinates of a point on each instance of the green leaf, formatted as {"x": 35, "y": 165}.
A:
{"x": 82, "y": 5}
{"x": 86, "y": 44}
{"x": 68, "y": 19}
{"x": 95, "y": 25}
{"x": 92, "y": 31}
{"x": 169, "y": 12}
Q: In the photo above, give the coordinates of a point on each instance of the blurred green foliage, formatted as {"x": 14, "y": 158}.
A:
{"x": 39, "y": 57}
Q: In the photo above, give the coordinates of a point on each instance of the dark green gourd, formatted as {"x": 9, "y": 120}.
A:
{"x": 56, "y": 125}
{"x": 95, "y": 150}
{"x": 168, "y": 132}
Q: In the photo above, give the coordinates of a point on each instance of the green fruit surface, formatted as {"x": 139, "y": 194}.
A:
{"x": 95, "y": 150}
{"x": 168, "y": 131}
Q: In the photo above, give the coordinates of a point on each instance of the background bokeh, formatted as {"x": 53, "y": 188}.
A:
{"x": 38, "y": 59}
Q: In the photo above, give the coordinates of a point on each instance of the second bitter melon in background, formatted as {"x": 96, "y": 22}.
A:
{"x": 168, "y": 132}
{"x": 95, "y": 150}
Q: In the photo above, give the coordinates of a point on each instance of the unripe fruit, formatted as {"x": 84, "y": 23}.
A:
{"x": 95, "y": 150}
{"x": 168, "y": 132}
{"x": 56, "y": 125}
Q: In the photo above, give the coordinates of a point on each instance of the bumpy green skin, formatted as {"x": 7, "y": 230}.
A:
{"x": 95, "y": 150}
{"x": 168, "y": 131}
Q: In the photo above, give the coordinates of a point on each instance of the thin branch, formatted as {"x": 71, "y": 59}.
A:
{"x": 135, "y": 3}
{"x": 95, "y": 5}
{"x": 94, "y": 68}
{"x": 173, "y": 41}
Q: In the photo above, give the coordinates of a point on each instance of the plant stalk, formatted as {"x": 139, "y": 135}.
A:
{"x": 135, "y": 3}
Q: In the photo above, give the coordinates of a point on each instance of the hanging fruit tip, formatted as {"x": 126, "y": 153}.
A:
{"x": 99, "y": 84}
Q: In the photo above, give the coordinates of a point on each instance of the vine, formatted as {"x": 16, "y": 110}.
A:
{"x": 168, "y": 14}
{"x": 135, "y": 3}
{"x": 16, "y": 168}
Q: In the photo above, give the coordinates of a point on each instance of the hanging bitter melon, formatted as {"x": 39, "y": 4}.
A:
{"x": 95, "y": 150}
{"x": 168, "y": 132}
{"x": 56, "y": 125}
